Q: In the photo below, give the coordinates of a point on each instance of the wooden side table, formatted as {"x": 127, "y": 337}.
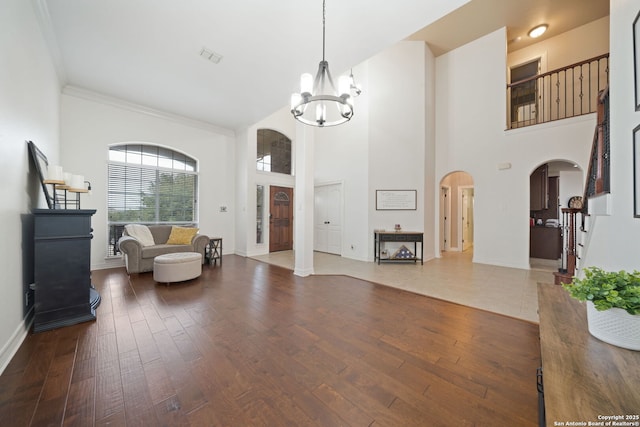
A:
{"x": 379, "y": 237}
{"x": 213, "y": 251}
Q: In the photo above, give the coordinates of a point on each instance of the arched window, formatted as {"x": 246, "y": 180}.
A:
{"x": 148, "y": 184}
{"x": 274, "y": 152}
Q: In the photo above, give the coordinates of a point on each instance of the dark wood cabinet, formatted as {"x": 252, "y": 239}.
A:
{"x": 63, "y": 294}
{"x": 545, "y": 242}
{"x": 539, "y": 189}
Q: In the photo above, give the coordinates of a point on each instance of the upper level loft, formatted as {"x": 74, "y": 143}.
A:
{"x": 559, "y": 77}
{"x": 569, "y": 91}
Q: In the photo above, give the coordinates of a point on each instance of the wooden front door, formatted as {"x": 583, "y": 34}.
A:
{"x": 281, "y": 219}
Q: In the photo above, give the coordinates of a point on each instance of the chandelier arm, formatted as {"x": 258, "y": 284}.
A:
{"x": 326, "y": 68}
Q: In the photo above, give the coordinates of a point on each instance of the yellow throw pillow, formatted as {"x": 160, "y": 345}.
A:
{"x": 181, "y": 235}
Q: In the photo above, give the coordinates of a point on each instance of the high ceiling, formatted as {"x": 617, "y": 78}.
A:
{"x": 148, "y": 52}
{"x": 480, "y": 17}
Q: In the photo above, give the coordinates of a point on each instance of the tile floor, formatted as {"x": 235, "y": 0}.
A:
{"x": 453, "y": 277}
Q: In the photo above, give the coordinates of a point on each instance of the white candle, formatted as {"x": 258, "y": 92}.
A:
{"x": 54, "y": 173}
{"x": 77, "y": 182}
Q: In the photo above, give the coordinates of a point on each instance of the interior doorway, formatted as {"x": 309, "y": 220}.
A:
{"x": 280, "y": 219}
{"x": 524, "y": 93}
{"x": 466, "y": 216}
{"x": 552, "y": 186}
{"x": 445, "y": 215}
{"x": 327, "y": 230}
{"x": 456, "y": 212}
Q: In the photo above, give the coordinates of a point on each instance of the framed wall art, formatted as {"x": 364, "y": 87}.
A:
{"x": 636, "y": 58}
{"x": 41, "y": 163}
{"x": 396, "y": 200}
{"x": 636, "y": 172}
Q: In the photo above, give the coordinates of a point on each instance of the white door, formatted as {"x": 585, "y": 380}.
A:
{"x": 328, "y": 219}
{"x": 467, "y": 217}
{"x": 445, "y": 218}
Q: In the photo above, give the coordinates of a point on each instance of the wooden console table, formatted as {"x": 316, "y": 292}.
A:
{"x": 380, "y": 237}
{"x": 584, "y": 379}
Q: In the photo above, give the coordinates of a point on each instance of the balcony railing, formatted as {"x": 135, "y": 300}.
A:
{"x": 559, "y": 94}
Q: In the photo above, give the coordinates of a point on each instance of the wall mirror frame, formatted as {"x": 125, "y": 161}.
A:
{"x": 41, "y": 163}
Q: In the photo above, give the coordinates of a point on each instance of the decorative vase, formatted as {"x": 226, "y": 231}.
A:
{"x": 614, "y": 326}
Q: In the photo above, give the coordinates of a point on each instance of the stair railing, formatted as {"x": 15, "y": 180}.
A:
{"x": 597, "y": 182}
{"x": 598, "y": 174}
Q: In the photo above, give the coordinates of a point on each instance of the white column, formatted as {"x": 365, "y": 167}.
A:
{"x": 303, "y": 198}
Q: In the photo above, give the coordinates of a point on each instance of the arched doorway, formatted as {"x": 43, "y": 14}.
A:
{"x": 456, "y": 212}
{"x": 551, "y": 186}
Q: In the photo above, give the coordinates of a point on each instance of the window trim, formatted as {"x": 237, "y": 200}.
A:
{"x": 159, "y": 153}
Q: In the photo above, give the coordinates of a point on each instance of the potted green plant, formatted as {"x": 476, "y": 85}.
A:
{"x": 613, "y": 305}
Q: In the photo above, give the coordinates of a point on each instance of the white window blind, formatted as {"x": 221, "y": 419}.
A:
{"x": 149, "y": 185}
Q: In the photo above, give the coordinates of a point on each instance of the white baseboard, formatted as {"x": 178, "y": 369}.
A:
{"x": 11, "y": 347}
{"x": 303, "y": 272}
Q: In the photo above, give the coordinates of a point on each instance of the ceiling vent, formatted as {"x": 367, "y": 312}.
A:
{"x": 210, "y": 55}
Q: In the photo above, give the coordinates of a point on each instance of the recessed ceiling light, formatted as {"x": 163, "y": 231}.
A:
{"x": 538, "y": 31}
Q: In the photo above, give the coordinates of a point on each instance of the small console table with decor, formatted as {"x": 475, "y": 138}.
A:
{"x": 380, "y": 237}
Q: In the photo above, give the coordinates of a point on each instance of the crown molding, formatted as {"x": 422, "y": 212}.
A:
{"x": 90, "y": 95}
{"x": 46, "y": 28}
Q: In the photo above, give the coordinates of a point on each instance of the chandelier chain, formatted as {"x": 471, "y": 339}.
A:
{"x": 324, "y": 13}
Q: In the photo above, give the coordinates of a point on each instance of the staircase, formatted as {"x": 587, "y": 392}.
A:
{"x": 578, "y": 221}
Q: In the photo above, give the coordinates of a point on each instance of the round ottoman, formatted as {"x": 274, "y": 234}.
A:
{"x": 177, "y": 267}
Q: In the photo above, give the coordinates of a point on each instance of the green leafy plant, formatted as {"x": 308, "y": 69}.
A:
{"x": 607, "y": 289}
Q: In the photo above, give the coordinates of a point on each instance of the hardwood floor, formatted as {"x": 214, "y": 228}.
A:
{"x": 250, "y": 344}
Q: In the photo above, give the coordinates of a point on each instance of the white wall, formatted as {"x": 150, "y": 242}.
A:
{"x": 615, "y": 239}
{"x": 431, "y": 185}
{"x": 91, "y": 123}
{"x": 568, "y": 48}
{"x": 29, "y": 110}
{"x": 283, "y": 122}
{"x": 242, "y": 196}
{"x": 470, "y": 137}
{"x": 397, "y": 133}
{"x": 342, "y": 156}
{"x": 571, "y": 184}
{"x": 382, "y": 147}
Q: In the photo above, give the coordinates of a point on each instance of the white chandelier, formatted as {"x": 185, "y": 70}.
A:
{"x": 318, "y": 103}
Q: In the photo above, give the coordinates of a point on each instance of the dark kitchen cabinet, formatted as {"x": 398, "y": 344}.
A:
{"x": 539, "y": 189}
{"x": 545, "y": 242}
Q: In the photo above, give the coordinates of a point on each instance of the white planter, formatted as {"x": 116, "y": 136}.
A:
{"x": 614, "y": 326}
